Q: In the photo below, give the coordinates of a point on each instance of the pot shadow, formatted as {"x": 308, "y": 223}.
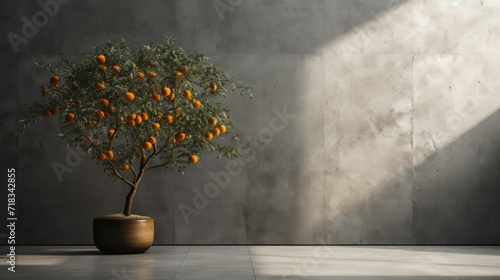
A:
{"x": 61, "y": 251}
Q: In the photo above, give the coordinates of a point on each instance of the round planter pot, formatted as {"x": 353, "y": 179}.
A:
{"x": 118, "y": 234}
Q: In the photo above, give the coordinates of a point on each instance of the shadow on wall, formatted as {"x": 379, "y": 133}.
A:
{"x": 286, "y": 191}
{"x": 457, "y": 189}
{"x": 273, "y": 46}
{"x": 342, "y": 171}
{"x": 451, "y": 197}
{"x": 456, "y": 194}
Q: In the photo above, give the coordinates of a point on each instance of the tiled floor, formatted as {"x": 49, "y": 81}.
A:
{"x": 258, "y": 262}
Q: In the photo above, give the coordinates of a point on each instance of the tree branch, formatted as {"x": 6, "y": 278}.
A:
{"x": 114, "y": 133}
{"x": 159, "y": 165}
{"x": 143, "y": 159}
{"x": 130, "y": 166}
{"x": 117, "y": 174}
{"x": 163, "y": 147}
{"x": 166, "y": 162}
{"x": 150, "y": 156}
{"x": 133, "y": 171}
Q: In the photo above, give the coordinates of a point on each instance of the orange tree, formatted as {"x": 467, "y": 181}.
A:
{"x": 137, "y": 111}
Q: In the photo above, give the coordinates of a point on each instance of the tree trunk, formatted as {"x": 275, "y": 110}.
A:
{"x": 128, "y": 203}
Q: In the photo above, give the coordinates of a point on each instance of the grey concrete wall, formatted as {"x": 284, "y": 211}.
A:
{"x": 391, "y": 135}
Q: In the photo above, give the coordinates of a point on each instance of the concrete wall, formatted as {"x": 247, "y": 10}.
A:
{"x": 391, "y": 131}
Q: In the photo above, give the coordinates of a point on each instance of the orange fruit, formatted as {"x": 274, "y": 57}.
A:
{"x": 54, "y": 80}
{"x": 131, "y": 123}
{"x": 193, "y": 159}
{"x": 111, "y": 133}
{"x": 147, "y": 146}
{"x": 172, "y": 141}
{"x": 144, "y": 116}
{"x": 44, "y": 91}
{"x": 178, "y": 113}
{"x": 70, "y": 118}
{"x": 169, "y": 119}
{"x": 54, "y": 110}
{"x": 138, "y": 120}
{"x": 172, "y": 97}
{"x": 184, "y": 69}
{"x": 89, "y": 124}
{"x": 110, "y": 110}
{"x": 152, "y": 74}
{"x": 140, "y": 75}
{"x": 151, "y": 140}
{"x": 197, "y": 104}
{"x": 213, "y": 86}
{"x": 212, "y": 122}
{"x": 178, "y": 75}
{"x": 109, "y": 154}
{"x": 101, "y": 156}
{"x": 166, "y": 91}
{"x": 125, "y": 167}
{"x": 209, "y": 136}
{"x": 103, "y": 68}
{"x": 222, "y": 128}
{"x": 46, "y": 112}
{"x": 99, "y": 115}
{"x": 187, "y": 93}
{"x": 100, "y": 86}
{"x": 129, "y": 96}
{"x": 88, "y": 137}
{"x": 104, "y": 102}
{"x": 179, "y": 136}
{"x": 132, "y": 117}
{"x": 116, "y": 68}
{"x": 101, "y": 59}
{"x": 156, "y": 96}
{"x": 159, "y": 115}
{"x": 156, "y": 126}
{"x": 216, "y": 132}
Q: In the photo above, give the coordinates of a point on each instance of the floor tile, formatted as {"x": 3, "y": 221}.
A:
{"x": 259, "y": 263}
{"x": 216, "y": 262}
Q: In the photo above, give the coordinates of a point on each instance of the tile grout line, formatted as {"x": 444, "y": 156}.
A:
{"x": 182, "y": 262}
{"x": 412, "y": 230}
{"x": 323, "y": 61}
{"x": 251, "y": 263}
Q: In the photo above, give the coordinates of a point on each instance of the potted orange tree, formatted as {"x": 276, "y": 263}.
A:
{"x": 133, "y": 112}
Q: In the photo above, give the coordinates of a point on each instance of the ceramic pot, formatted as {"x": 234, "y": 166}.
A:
{"x": 114, "y": 235}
